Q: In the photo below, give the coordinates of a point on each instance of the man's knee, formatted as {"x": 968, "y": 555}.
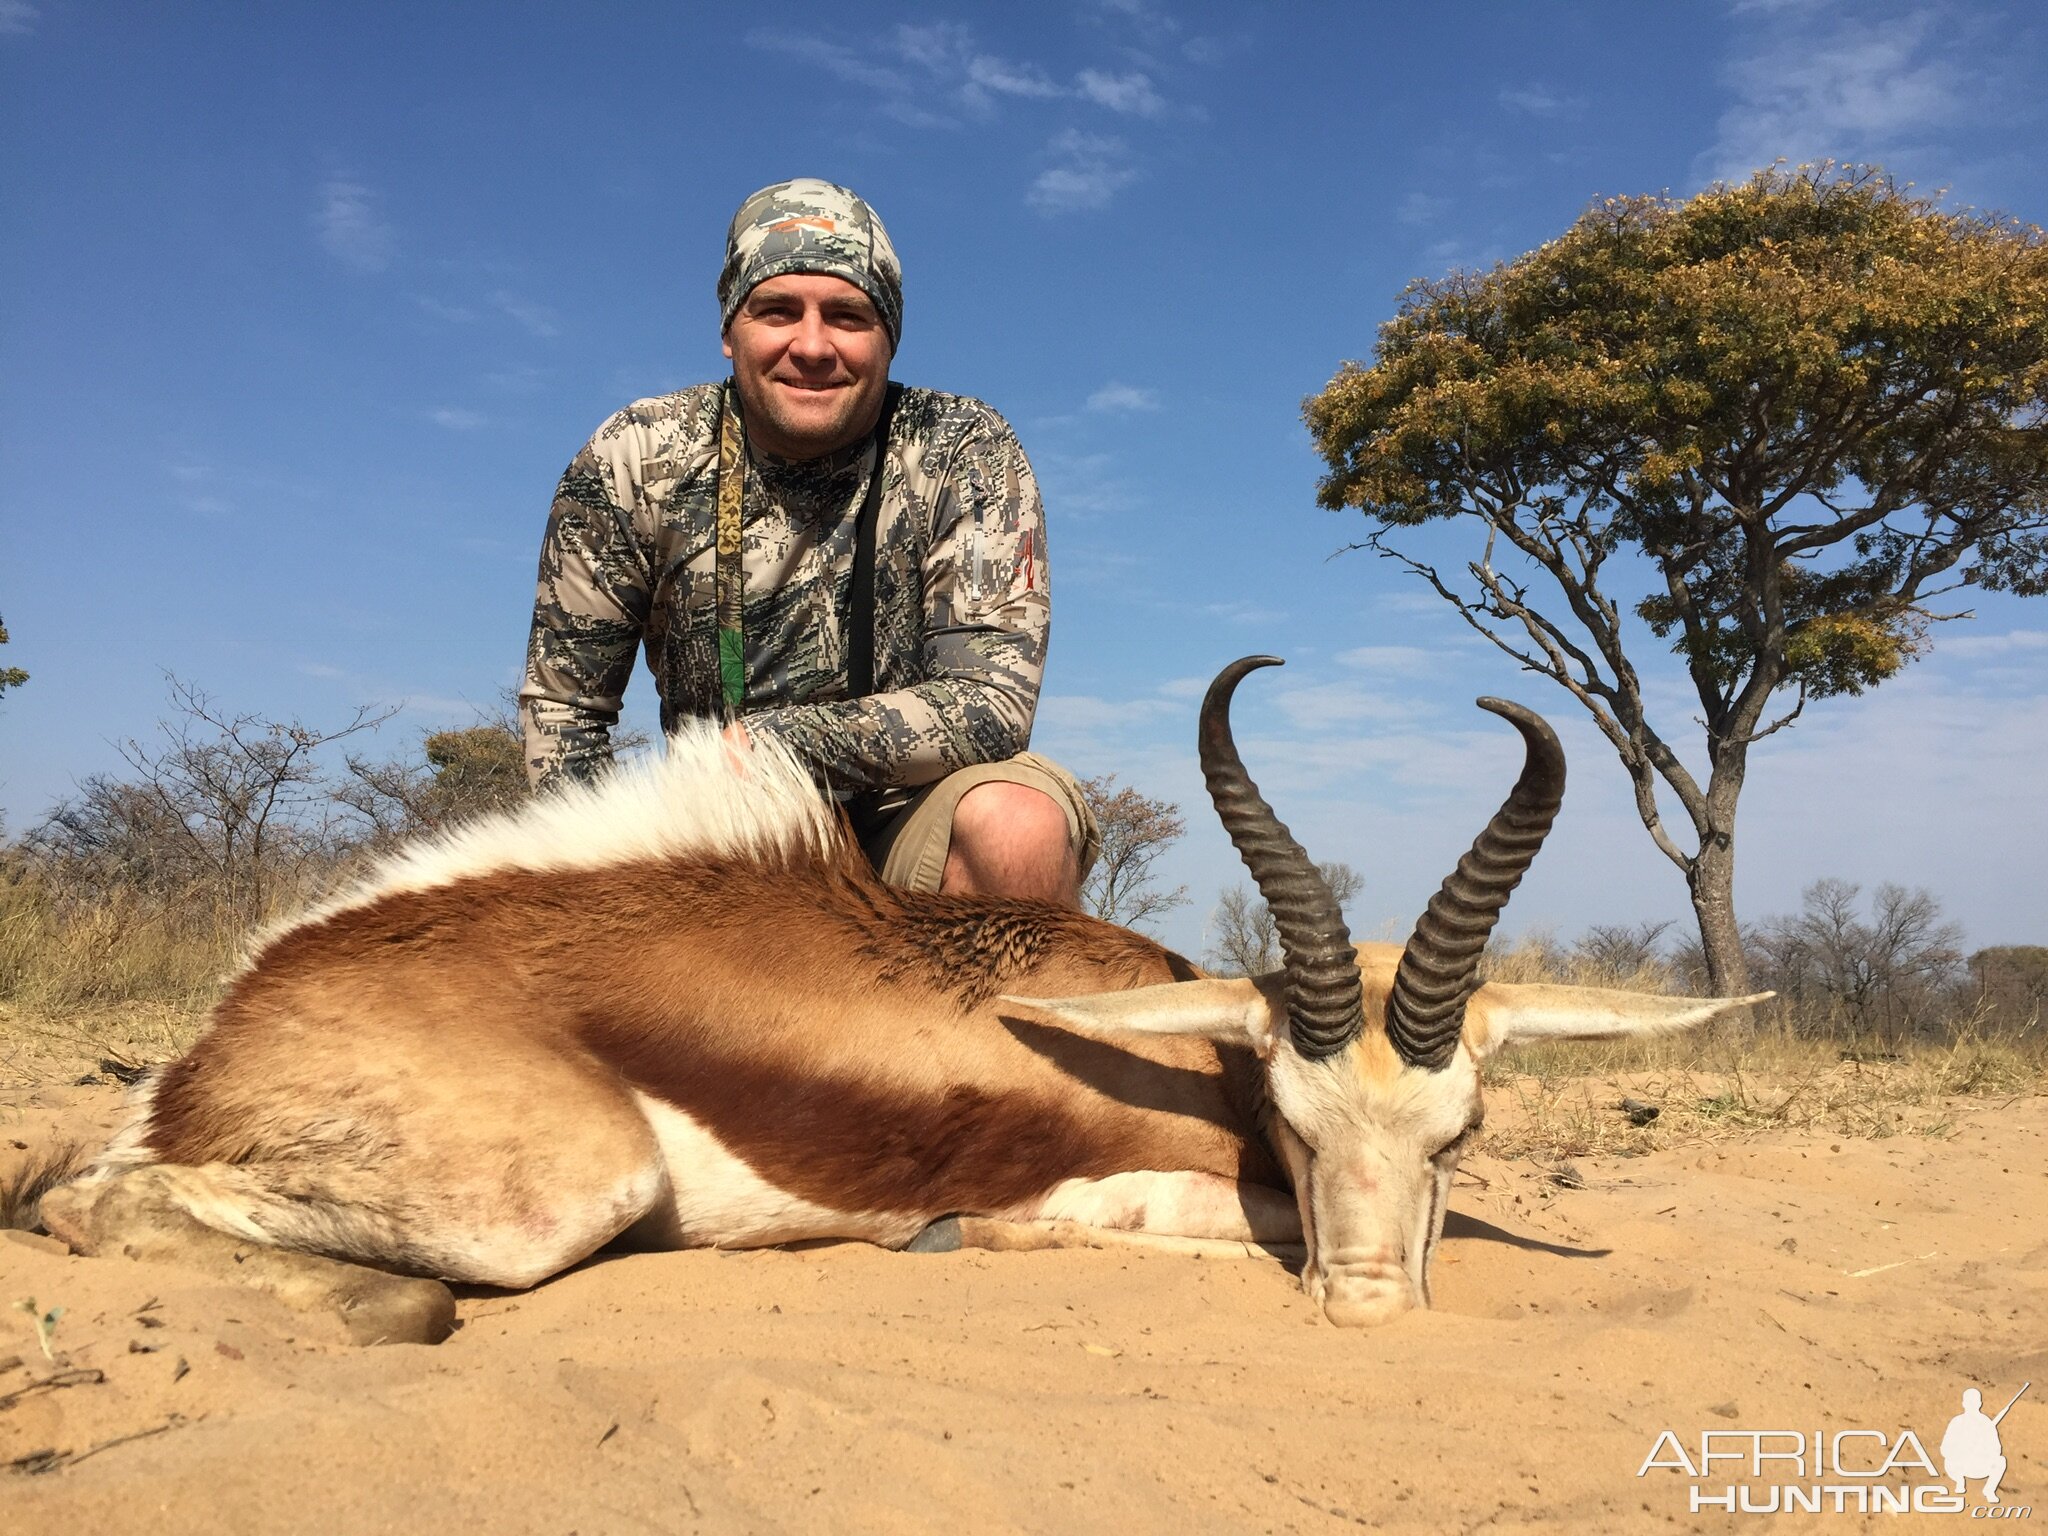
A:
{"x": 1011, "y": 840}
{"x": 1014, "y": 813}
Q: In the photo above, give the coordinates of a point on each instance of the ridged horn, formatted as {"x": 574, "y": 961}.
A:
{"x": 1325, "y": 1008}
{"x": 1439, "y": 970}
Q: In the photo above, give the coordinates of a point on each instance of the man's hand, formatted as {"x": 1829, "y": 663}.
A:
{"x": 738, "y": 746}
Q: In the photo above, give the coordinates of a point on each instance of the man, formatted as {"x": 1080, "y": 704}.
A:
{"x": 719, "y": 527}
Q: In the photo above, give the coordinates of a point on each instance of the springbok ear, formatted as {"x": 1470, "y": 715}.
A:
{"x": 1502, "y": 1014}
{"x": 1231, "y": 1012}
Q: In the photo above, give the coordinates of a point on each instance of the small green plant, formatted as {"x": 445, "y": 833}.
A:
{"x": 46, "y": 1324}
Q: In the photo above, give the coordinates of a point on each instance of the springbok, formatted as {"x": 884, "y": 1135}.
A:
{"x": 678, "y": 1009}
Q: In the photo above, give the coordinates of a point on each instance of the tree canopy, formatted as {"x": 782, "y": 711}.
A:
{"x": 1805, "y": 405}
{"x": 10, "y": 677}
{"x": 1136, "y": 829}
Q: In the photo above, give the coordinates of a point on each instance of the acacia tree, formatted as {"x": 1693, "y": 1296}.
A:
{"x": 466, "y": 772}
{"x": 10, "y": 677}
{"x": 1767, "y": 425}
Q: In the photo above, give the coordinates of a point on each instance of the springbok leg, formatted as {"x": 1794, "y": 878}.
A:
{"x": 953, "y": 1233}
{"x": 1191, "y": 1213}
{"x": 147, "y": 1214}
{"x": 531, "y": 1163}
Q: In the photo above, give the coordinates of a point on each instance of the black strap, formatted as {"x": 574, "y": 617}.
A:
{"x": 860, "y": 635}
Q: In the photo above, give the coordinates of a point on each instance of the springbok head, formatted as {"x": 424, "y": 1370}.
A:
{"x": 1372, "y": 1054}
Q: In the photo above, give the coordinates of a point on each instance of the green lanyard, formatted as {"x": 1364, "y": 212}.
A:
{"x": 729, "y": 584}
{"x": 730, "y": 581}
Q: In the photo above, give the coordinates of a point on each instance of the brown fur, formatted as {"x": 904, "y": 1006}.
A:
{"x": 835, "y": 1034}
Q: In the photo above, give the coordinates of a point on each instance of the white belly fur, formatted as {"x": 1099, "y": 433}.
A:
{"x": 1179, "y": 1204}
{"x": 716, "y": 1201}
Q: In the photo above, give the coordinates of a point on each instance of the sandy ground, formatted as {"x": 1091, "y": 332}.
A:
{"x": 1780, "y": 1282}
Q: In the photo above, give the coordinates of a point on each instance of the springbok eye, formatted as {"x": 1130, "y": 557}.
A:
{"x": 1455, "y": 1147}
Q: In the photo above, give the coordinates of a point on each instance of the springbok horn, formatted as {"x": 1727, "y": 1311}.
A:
{"x": 1439, "y": 970}
{"x": 1325, "y": 1007}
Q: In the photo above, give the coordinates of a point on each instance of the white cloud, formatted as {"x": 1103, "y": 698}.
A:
{"x": 947, "y": 51}
{"x": 1421, "y": 208}
{"x": 1151, "y": 23}
{"x": 1394, "y": 660}
{"x": 937, "y": 47}
{"x": 201, "y": 485}
{"x": 1321, "y": 706}
{"x": 1091, "y": 169}
{"x": 1123, "y": 397}
{"x": 453, "y": 314}
{"x": 2013, "y": 642}
{"x": 1007, "y": 79}
{"x": 351, "y": 228}
{"x": 1816, "y": 81}
{"x": 1536, "y": 101}
{"x": 537, "y": 318}
{"x": 522, "y": 380}
{"x": 916, "y": 67}
{"x": 1132, "y": 93}
{"x": 834, "y": 58}
{"x": 457, "y": 419}
{"x": 1243, "y": 613}
{"x": 1083, "y": 484}
{"x": 17, "y": 18}
{"x": 1084, "y": 712}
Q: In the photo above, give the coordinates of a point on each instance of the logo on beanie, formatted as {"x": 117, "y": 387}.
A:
{"x": 802, "y": 222}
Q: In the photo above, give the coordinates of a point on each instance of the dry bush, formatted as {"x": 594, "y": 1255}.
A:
{"x": 138, "y": 896}
{"x": 1136, "y": 829}
{"x": 1244, "y": 940}
{"x": 1782, "y": 1068}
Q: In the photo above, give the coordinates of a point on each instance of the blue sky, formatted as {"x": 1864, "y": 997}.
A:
{"x": 307, "y": 306}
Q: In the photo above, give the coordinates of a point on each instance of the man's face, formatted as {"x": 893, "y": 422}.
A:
{"x": 811, "y": 359}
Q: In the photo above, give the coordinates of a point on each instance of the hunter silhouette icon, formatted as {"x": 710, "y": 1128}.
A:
{"x": 1970, "y": 1447}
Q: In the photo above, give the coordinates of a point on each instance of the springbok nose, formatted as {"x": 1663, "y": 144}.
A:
{"x": 1367, "y": 1295}
{"x": 1368, "y": 1310}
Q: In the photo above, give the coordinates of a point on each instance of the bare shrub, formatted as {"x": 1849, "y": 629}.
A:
{"x": 1136, "y": 830}
{"x": 232, "y": 808}
{"x": 144, "y": 887}
{"x": 468, "y": 772}
{"x": 2012, "y": 982}
{"x": 1890, "y": 976}
{"x": 1243, "y": 940}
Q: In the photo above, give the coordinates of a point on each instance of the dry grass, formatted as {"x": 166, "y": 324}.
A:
{"x": 91, "y": 974}
{"x": 61, "y": 1046}
{"x": 125, "y": 980}
{"x": 1774, "y": 1072}
{"x": 62, "y": 950}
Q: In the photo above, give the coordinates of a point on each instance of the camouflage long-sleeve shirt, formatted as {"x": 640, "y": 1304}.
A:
{"x": 961, "y": 603}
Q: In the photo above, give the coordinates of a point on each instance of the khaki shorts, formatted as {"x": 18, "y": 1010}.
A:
{"x": 908, "y": 843}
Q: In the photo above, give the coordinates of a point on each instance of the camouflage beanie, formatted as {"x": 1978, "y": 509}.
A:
{"x": 810, "y": 226}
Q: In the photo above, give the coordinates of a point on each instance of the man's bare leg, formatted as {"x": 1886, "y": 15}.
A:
{"x": 1011, "y": 840}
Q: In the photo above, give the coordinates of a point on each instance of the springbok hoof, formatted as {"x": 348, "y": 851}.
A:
{"x": 942, "y": 1236}
{"x": 66, "y": 1214}
{"x": 394, "y": 1309}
